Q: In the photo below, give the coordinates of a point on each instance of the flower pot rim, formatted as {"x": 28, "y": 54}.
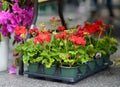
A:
{"x": 68, "y": 66}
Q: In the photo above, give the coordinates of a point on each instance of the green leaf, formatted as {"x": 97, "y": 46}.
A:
{"x": 25, "y": 59}
{"x": 62, "y": 55}
{"x": 5, "y": 5}
{"x": 48, "y": 64}
{"x": 61, "y": 43}
{"x": 39, "y": 59}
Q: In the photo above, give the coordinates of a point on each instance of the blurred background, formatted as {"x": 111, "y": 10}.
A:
{"x": 78, "y": 11}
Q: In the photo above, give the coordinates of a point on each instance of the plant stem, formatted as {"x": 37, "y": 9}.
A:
{"x": 65, "y": 45}
{"x": 110, "y": 31}
{"x": 98, "y": 40}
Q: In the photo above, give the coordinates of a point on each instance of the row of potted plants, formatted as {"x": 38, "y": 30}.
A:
{"x": 69, "y": 48}
{"x": 70, "y": 72}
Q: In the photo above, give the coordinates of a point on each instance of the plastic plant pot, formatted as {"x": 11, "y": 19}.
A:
{"x": 83, "y": 68}
{"x": 69, "y": 72}
{"x": 91, "y": 65}
{"x": 49, "y": 71}
{"x": 33, "y": 67}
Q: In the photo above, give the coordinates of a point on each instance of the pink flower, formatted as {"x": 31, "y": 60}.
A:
{"x": 12, "y": 69}
{"x": 14, "y": 0}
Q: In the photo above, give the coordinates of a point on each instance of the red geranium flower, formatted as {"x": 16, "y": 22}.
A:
{"x": 42, "y": 37}
{"x": 61, "y": 28}
{"x": 73, "y": 39}
{"x": 81, "y": 32}
{"x": 20, "y": 30}
{"x": 62, "y": 35}
{"x": 47, "y": 36}
{"x": 34, "y": 31}
{"x": 38, "y": 39}
{"x": 78, "y": 40}
{"x": 99, "y": 22}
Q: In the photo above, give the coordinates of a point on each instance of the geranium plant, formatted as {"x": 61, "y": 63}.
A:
{"x": 68, "y": 47}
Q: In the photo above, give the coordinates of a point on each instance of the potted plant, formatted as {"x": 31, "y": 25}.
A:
{"x": 10, "y": 18}
{"x": 99, "y": 43}
{"x": 106, "y": 45}
{"x": 71, "y": 50}
{"x": 30, "y": 54}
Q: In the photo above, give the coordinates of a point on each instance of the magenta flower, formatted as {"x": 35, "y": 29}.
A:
{"x": 11, "y": 28}
{"x": 4, "y": 17}
{"x": 16, "y": 8}
{"x": 14, "y": 0}
{"x": 17, "y": 38}
{"x": 17, "y": 17}
{"x": 4, "y": 30}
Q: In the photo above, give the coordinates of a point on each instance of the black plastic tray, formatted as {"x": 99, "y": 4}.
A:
{"x": 58, "y": 77}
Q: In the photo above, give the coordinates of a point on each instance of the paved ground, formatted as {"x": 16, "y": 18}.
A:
{"x": 108, "y": 78}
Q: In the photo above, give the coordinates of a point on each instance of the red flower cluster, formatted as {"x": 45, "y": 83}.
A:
{"x": 99, "y": 22}
{"x": 78, "y": 40}
{"x": 42, "y": 37}
{"x": 78, "y": 37}
{"x": 62, "y": 35}
{"x": 20, "y": 30}
{"x": 97, "y": 27}
{"x": 80, "y": 32}
{"x": 61, "y": 28}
